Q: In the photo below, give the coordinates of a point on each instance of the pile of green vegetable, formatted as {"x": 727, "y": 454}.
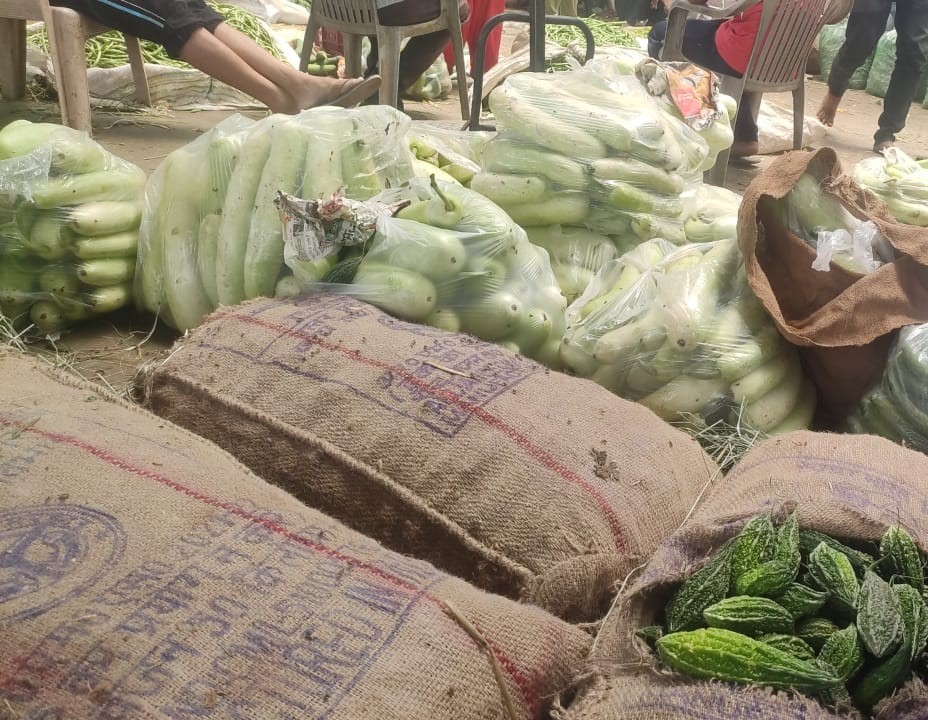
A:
{"x": 108, "y": 50}
{"x": 679, "y": 330}
{"x": 819, "y": 218}
{"x": 897, "y": 408}
{"x": 451, "y": 155}
{"x": 900, "y": 181}
{"x": 323, "y": 65}
{"x": 798, "y": 610}
{"x": 69, "y": 226}
{"x": 590, "y": 159}
{"x": 211, "y": 233}
{"x": 453, "y": 260}
{"x": 606, "y": 33}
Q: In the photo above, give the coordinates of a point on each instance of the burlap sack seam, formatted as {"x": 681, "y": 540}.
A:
{"x": 491, "y": 420}
{"x": 413, "y": 502}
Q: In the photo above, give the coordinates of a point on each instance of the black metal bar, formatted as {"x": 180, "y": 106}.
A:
{"x": 536, "y": 20}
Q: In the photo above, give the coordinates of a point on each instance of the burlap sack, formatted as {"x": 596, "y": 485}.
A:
{"x": 146, "y": 574}
{"x": 843, "y": 322}
{"x": 524, "y": 481}
{"x": 847, "y": 486}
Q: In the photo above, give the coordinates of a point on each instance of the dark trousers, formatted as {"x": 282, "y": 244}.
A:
{"x": 699, "y": 47}
{"x": 865, "y": 25}
{"x": 421, "y": 51}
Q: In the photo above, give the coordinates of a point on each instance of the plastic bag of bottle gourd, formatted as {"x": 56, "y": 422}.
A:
{"x": 69, "y": 225}
{"x": 897, "y": 408}
{"x": 211, "y": 233}
{"x": 678, "y": 330}
{"x": 450, "y": 259}
{"x": 900, "y": 181}
{"x": 711, "y": 214}
{"x": 433, "y": 84}
{"x": 829, "y": 228}
{"x": 592, "y": 148}
{"x": 454, "y": 153}
{"x": 883, "y": 65}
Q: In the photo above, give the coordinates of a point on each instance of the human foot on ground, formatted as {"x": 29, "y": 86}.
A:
{"x": 316, "y": 92}
{"x": 880, "y": 145}
{"x": 744, "y": 148}
{"x": 828, "y": 109}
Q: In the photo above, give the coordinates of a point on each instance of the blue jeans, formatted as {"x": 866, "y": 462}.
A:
{"x": 865, "y": 25}
{"x": 699, "y": 47}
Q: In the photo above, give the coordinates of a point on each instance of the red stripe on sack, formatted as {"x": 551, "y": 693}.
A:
{"x": 487, "y": 417}
{"x": 515, "y": 674}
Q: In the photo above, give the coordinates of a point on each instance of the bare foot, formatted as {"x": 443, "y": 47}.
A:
{"x": 881, "y": 145}
{"x": 828, "y": 108}
{"x": 744, "y": 148}
{"x": 316, "y": 92}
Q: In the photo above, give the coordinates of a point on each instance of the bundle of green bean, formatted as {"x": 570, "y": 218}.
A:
{"x": 606, "y": 33}
{"x": 109, "y": 50}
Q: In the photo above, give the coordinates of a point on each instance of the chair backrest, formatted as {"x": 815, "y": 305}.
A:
{"x": 341, "y": 13}
{"x": 22, "y": 9}
{"x": 784, "y": 39}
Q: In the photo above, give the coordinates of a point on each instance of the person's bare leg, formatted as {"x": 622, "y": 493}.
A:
{"x": 208, "y": 53}
{"x": 304, "y": 90}
{"x": 828, "y": 109}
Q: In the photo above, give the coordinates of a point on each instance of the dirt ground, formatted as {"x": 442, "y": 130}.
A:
{"x": 111, "y": 350}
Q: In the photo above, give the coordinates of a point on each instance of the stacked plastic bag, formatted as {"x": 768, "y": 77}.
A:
{"x": 591, "y": 163}
{"x": 897, "y": 408}
{"x": 679, "y": 330}
{"x": 69, "y": 226}
{"x": 211, "y": 233}
{"x": 900, "y": 181}
{"x": 434, "y": 253}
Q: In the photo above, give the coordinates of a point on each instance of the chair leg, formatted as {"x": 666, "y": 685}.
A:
{"x": 799, "y": 115}
{"x": 71, "y": 69}
{"x": 461, "y": 71}
{"x": 353, "y": 63}
{"x": 388, "y": 42}
{"x": 735, "y": 88}
{"x": 12, "y": 58}
{"x": 309, "y": 37}
{"x": 134, "y": 51}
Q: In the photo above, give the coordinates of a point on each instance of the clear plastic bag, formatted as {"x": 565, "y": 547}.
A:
{"x": 455, "y": 152}
{"x": 69, "y": 226}
{"x": 900, "y": 181}
{"x": 897, "y": 408}
{"x": 449, "y": 258}
{"x": 838, "y": 237}
{"x": 591, "y": 148}
{"x": 211, "y": 233}
{"x": 679, "y": 330}
{"x": 711, "y": 214}
{"x": 433, "y": 84}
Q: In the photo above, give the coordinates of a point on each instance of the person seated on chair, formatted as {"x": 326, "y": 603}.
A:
{"x": 192, "y": 31}
{"x": 480, "y": 12}
{"x": 723, "y": 46}
{"x": 421, "y": 51}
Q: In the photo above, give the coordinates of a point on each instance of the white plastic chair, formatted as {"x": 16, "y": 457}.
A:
{"x": 787, "y": 31}
{"x": 68, "y": 31}
{"x": 357, "y": 18}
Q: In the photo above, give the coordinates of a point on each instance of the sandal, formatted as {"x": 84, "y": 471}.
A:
{"x": 358, "y": 93}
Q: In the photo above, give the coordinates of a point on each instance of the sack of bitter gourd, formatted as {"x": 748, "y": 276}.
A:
{"x": 897, "y": 408}
{"x": 434, "y": 253}
{"x": 843, "y": 319}
{"x": 900, "y": 182}
{"x": 211, "y": 233}
{"x": 678, "y": 330}
{"x": 69, "y": 226}
{"x": 794, "y": 591}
